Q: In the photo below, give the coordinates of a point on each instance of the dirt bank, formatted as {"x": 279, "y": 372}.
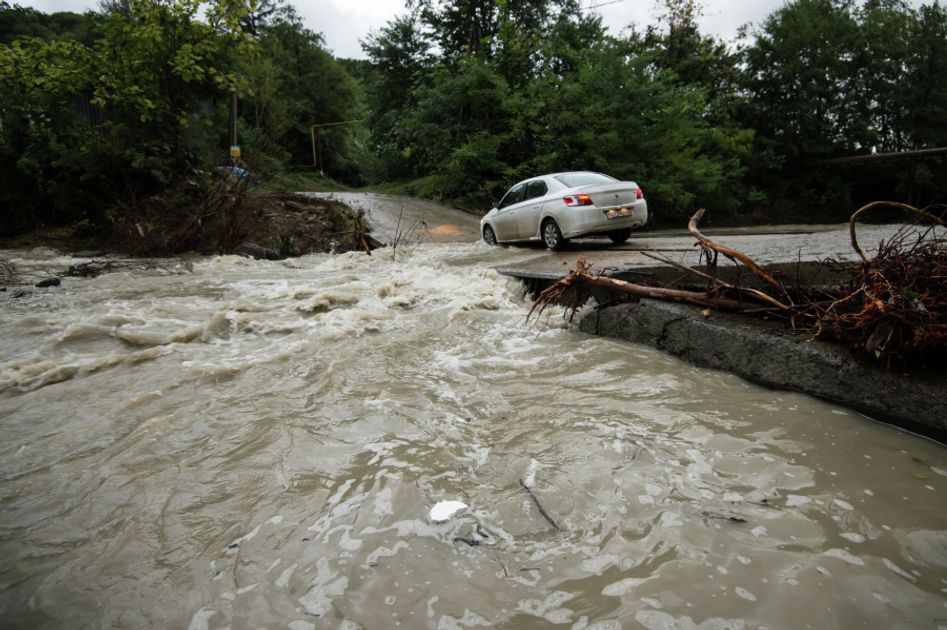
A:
{"x": 278, "y": 223}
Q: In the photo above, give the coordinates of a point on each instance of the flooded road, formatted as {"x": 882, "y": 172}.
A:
{"x": 244, "y": 444}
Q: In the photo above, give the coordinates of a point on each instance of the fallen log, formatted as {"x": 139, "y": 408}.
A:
{"x": 573, "y": 291}
{"x": 717, "y": 282}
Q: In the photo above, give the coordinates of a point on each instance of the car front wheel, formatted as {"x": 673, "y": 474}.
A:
{"x": 489, "y": 237}
{"x": 552, "y": 236}
{"x": 619, "y": 236}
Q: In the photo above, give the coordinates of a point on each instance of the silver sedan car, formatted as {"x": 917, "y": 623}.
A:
{"x": 554, "y": 208}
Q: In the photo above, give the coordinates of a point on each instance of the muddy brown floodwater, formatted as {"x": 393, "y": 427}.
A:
{"x": 246, "y": 444}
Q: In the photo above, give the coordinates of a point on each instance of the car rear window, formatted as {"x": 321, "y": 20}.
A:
{"x": 536, "y": 189}
{"x": 571, "y": 180}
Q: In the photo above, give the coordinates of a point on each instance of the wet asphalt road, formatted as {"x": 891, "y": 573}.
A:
{"x": 396, "y": 219}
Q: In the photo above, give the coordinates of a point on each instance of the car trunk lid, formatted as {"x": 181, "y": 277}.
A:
{"x": 607, "y": 195}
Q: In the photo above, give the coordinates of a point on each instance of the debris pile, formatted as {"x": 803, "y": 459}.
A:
{"x": 893, "y": 306}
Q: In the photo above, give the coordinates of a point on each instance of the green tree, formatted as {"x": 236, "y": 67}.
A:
{"x": 926, "y": 105}
{"x": 296, "y": 84}
{"x": 86, "y": 127}
{"x": 17, "y": 22}
{"x": 802, "y": 79}
{"x": 401, "y": 55}
{"x": 644, "y": 125}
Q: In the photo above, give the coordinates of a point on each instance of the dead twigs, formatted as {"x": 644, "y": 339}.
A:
{"x": 539, "y": 505}
{"x": 894, "y": 306}
{"x": 880, "y": 204}
{"x": 709, "y": 246}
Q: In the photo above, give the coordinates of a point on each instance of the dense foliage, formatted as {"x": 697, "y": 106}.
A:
{"x": 102, "y": 111}
{"x": 107, "y": 116}
{"x": 474, "y": 95}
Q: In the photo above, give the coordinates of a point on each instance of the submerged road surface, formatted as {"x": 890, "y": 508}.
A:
{"x": 381, "y": 441}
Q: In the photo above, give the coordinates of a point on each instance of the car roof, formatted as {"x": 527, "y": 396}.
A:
{"x": 544, "y": 175}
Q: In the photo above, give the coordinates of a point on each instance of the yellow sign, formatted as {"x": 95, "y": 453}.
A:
{"x": 234, "y": 151}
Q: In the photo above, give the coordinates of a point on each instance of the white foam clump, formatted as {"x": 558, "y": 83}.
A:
{"x": 444, "y": 510}
{"x": 841, "y": 554}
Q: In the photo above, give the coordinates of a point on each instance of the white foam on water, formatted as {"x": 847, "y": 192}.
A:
{"x": 842, "y": 504}
{"x": 898, "y": 569}
{"x": 745, "y": 594}
{"x": 597, "y": 564}
{"x": 469, "y": 619}
{"x": 841, "y": 554}
{"x": 529, "y": 477}
{"x": 283, "y": 580}
{"x": 623, "y": 587}
{"x": 795, "y": 500}
{"x": 671, "y": 519}
{"x": 551, "y": 608}
{"x": 247, "y": 537}
{"x": 659, "y": 620}
{"x": 200, "y": 619}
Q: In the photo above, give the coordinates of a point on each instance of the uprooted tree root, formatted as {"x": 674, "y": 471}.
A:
{"x": 893, "y": 307}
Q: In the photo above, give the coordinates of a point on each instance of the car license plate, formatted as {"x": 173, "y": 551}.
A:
{"x": 616, "y": 213}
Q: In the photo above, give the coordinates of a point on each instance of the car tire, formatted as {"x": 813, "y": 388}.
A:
{"x": 489, "y": 236}
{"x": 619, "y": 236}
{"x": 552, "y": 235}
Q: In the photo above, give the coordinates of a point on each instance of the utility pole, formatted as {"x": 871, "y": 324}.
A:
{"x": 234, "y": 147}
{"x": 314, "y": 135}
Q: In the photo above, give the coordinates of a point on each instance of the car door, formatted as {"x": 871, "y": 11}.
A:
{"x": 527, "y": 215}
{"x": 504, "y": 223}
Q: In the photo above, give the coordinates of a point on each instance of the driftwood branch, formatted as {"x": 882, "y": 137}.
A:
{"x": 661, "y": 293}
{"x": 542, "y": 510}
{"x": 730, "y": 253}
{"x": 573, "y": 290}
{"x": 717, "y": 282}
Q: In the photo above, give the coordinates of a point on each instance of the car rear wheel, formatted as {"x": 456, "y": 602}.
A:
{"x": 489, "y": 236}
{"x": 552, "y": 236}
{"x": 619, "y": 236}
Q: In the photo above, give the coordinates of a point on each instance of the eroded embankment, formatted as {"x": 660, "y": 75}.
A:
{"x": 765, "y": 353}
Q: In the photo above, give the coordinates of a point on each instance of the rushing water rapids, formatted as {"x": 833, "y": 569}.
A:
{"x": 259, "y": 444}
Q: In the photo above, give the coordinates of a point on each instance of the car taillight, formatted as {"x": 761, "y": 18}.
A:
{"x": 639, "y": 194}
{"x": 578, "y": 200}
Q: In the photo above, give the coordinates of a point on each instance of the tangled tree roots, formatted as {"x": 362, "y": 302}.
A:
{"x": 894, "y": 307}
{"x": 895, "y": 304}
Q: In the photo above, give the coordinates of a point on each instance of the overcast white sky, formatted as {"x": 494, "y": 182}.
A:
{"x": 345, "y": 22}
